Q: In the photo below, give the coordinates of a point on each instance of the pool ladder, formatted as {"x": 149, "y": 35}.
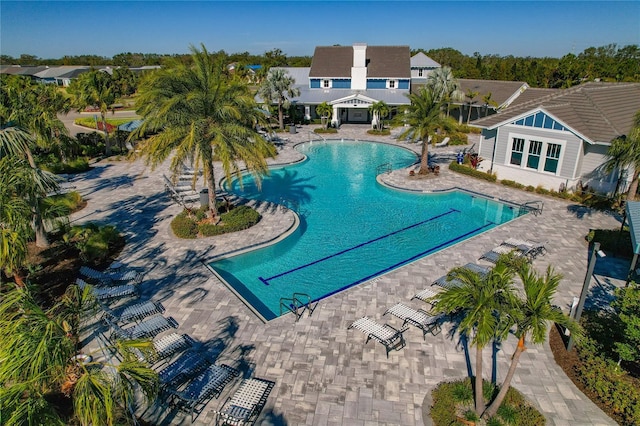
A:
{"x": 534, "y": 207}
{"x": 383, "y": 168}
{"x": 297, "y": 304}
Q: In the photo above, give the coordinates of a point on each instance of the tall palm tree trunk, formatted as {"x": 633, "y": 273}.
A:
{"x": 37, "y": 222}
{"x": 424, "y": 157}
{"x": 107, "y": 142}
{"x": 478, "y": 382}
{"x": 280, "y": 114}
{"x": 211, "y": 182}
{"x": 493, "y": 408}
{"x": 633, "y": 187}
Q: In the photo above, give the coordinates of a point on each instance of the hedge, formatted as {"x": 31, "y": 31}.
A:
{"x": 471, "y": 172}
{"x": 608, "y": 382}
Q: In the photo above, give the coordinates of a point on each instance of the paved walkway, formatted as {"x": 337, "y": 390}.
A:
{"x": 324, "y": 373}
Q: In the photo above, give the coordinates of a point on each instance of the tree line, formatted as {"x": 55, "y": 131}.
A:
{"x": 608, "y": 63}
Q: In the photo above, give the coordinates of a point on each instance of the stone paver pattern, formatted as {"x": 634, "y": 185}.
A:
{"x": 324, "y": 373}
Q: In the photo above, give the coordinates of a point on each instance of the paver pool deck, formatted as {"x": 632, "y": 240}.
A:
{"x": 324, "y": 373}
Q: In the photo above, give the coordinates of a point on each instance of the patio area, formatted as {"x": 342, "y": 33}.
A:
{"x": 324, "y": 374}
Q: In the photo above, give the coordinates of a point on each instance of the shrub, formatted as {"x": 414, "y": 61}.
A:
{"x": 613, "y": 241}
{"x": 464, "y": 128}
{"x": 94, "y": 242}
{"x": 458, "y": 138}
{"x": 241, "y": 217}
{"x": 77, "y": 165}
{"x": 515, "y": 409}
{"x": 529, "y": 188}
{"x": 465, "y": 170}
{"x": 542, "y": 190}
{"x": 512, "y": 184}
{"x": 184, "y": 226}
{"x": 65, "y": 203}
{"x": 210, "y": 229}
{"x": 608, "y": 382}
{"x": 383, "y": 132}
{"x": 327, "y": 130}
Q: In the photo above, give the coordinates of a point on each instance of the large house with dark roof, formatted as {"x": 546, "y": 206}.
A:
{"x": 351, "y": 79}
{"x": 559, "y": 138}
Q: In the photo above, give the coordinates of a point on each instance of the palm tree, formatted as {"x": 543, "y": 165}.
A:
{"x": 482, "y": 303}
{"x": 38, "y": 351}
{"x": 445, "y": 86}
{"x": 278, "y": 88}
{"x": 35, "y": 107}
{"x": 198, "y": 111}
{"x": 624, "y": 153}
{"x": 15, "y": 212}
{"x": 424, "y": 117}
{"x": 15, "y": 144}
{"x": 470, "y": 95}
{"x": 379, "y": 110}
{"x": 95, "y": 88}
{"x": 488, "y": 102}
{"x": 324, "y": 110}
{"x": 536, "y": 312}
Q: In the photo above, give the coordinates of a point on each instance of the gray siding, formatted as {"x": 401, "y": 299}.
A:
{"x": 486, "y": 147}
{"x": 570, "y": 152}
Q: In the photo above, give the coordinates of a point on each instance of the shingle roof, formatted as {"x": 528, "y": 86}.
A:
{"x": 598, "y": 111}
{"x": 382, "y": 61}
{"x": 420, "y": 60}
{"x": 501, "y": 91}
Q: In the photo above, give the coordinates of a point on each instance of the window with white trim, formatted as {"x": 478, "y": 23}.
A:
{"x": 533, "y": 159}
{"x": 392, "y": 84}
{"x": 517, "y": 148}
{"x": 552, "y": 158}
{"x": 326, "y": 84}
{"x": 420, "y": 72}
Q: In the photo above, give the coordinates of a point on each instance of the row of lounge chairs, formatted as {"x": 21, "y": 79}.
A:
{"x": 516, "y": 247}
{"x": 393, "y": 338}
{"x": 182, "y": 191}
{"x": 188, "y": 378}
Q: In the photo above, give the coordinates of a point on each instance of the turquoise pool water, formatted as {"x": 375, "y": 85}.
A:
{"x": 352, "y": 228}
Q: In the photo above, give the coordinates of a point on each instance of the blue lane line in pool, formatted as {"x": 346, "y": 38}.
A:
{"x": 266, "y": 280}
{"x": 424, "y": 253}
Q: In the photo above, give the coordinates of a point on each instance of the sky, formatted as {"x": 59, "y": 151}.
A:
{"x": 53, "y": 29}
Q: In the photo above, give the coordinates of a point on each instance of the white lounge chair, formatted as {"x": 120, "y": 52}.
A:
{"x": 209, "y": 384}
{"x": 445, "y": 282}
{"x": 419, "y": 318}
{"x": 109, "y": 293}
{"x": 132, "y": 313}
{"x": 494, "y": 254}
{"x": 390, "y": 337}
{"x": 110, "y": 278}
{"x": 148, "y": 328}
{"x": 425, "y": 295}
{"x": 244, "y": 406}
{"x": 532, "y": 248}
{"x": 442, "y": 143}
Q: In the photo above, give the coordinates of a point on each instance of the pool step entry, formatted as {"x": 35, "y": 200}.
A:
{"x": 297, "y": 304}
{"x": 534, "y": 207}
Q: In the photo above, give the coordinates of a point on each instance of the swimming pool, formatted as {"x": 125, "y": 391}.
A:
{"x": 352, "y": 229}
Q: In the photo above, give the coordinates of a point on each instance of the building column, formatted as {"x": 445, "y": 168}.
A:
{"x": 335, "y": 117}
{"x": 307, "y": 112}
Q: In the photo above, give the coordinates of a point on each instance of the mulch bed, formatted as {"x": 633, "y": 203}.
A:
{"x": 568, "y": 361}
